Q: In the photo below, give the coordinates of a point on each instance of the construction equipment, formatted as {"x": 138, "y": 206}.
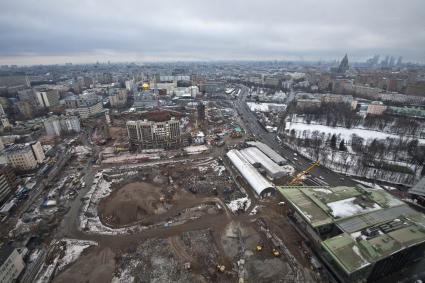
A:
{"x": 297, "y": 178}
{"x": 275, "y": 253}
{"x": 221, "y": 268}
{"x": 259, "y": 248}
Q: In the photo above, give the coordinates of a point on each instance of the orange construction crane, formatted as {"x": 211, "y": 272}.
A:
{"x": 298, "y": 177}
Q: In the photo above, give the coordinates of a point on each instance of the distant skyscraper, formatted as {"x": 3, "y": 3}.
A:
{"x": 385, "y": 62}
{"x": 399, "y": 61}
{"x": 343, "y": 66}
{"x": 391, "y": 63}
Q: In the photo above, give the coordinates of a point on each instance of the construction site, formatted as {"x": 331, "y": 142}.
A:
{"x": 205, "y": 199}
{"x": 194, "y": 217}
{"x": 186, "y": 221}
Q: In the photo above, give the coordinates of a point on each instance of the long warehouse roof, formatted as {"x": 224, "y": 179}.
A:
{"x": 254, "y": 155}
{"x": 276, "y": 157}
{"x": 251, "y": 175}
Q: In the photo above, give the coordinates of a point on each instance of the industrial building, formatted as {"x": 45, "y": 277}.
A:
{"x": 25, "y": 156}
{"x": 11, "y": 264}
{"x": 360, "y": 234}
{"x": 273, "y": 155}
{"x": 259, "y": 159}
{"x": 258, "y": 183}
{"x": 145, "y": 134}
{"x": 56, "y": 126}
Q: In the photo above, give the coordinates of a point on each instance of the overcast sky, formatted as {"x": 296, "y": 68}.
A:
{"x": 79, "y": 31}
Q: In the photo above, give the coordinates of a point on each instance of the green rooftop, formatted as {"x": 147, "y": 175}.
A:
{"x": 373, "y": 223}
{"x": 345, "y": 252}
{"x": 312, "y": 212}
{"x": 321, "y": 205}
{"x": 354, "y": 251}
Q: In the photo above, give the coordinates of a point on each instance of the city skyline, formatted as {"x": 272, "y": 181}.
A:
{"x": 141, "y": 31}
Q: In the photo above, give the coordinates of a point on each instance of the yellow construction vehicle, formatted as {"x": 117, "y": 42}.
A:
{"x": 259, "y": 248}
{"x": 297, "y": 178}
{"x": 221, "y": 268}
{"x": 275, "y": 253}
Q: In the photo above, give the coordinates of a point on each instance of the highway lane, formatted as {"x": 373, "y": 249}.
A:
{"x": 301, "y": 163}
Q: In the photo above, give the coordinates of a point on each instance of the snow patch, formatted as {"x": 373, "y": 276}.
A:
{"x": 347, "y": 207}
{"x": 325, "y": 191}
{"x": 239, "y": 204}
{"x": 364, "y": 262}
{"x": 73, "y": 250}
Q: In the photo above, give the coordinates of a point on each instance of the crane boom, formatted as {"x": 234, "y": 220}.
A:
{"x": 297, "y": 178}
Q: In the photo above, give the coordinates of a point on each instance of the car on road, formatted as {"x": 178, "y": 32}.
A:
{"x": 295, "y": 154}
{"x": 295, "y": 158}
{"x": 321, "y": 178}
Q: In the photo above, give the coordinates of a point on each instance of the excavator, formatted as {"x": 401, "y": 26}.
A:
{"x": 296, "y": 180}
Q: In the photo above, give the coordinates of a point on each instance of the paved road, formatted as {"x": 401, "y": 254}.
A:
{"x": 254, "y": 127}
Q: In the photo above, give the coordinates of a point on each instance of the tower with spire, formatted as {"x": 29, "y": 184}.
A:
{"x": 343, "y": 66}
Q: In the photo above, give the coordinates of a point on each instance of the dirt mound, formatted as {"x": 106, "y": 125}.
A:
{"x": 131, "y": 203}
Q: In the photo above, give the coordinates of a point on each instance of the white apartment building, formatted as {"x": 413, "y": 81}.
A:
{"x": 55, "y": 126}
{"x": 25, "y": 156}
{"x": 11, "y": 264}
{"x": 48, "y": 98}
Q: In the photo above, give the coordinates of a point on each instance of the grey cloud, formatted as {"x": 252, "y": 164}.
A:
{"x": 208, "y": 30}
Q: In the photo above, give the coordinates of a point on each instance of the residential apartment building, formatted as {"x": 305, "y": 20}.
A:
{"x": 86, "y": 105}
{"x": 8, "y": 182}
{"x": 11, "y": 264}
{"x": 118, "y": 98}
{"x": 25, "y": 156}
{"x": 48, "y": 98}
{"x": 56, "y": 126}
{"x": 144, "y": 134}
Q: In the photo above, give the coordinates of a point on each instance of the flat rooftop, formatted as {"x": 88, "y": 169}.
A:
{"x": 356, "y": 251}
{"x": 373, "y": 224}
{"x": 321, "y": 204}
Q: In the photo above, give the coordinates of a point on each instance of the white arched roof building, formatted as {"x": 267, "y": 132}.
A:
{"x": 257, "y": 181}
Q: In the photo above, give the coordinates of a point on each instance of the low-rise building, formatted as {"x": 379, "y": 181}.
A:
{"x": 25, "y": 156}
{"x": 261, "y": 186}
{"x": 11, "y": 264}
{"x": 273, "y": 155}
{"x": 257, "y": 158}
{"x": 376, "y": 108}
{"x": 360, "y": 234}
